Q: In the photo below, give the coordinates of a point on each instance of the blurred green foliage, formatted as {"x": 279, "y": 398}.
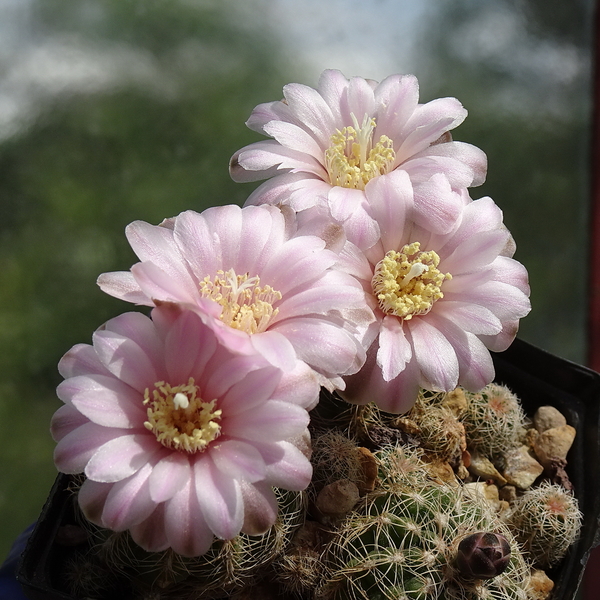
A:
{"x": 148, "y": 129}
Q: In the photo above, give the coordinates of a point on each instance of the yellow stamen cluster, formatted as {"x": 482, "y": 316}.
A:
{"x": 353, "y": 160}
{"x": 179, "y": 418}
{"x": 246, "y": 305}
{"x": 407, "y": 283}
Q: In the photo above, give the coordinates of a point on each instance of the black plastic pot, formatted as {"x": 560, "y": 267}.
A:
{"x": 537, "y": 377}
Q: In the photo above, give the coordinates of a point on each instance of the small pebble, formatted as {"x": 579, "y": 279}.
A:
{"x": 554, "y": 444}
{"x": 522, "y": 469}
{"x": 338, "y": 497}
{"x": 548, "y": 417}
{"x": 540, "y": 585}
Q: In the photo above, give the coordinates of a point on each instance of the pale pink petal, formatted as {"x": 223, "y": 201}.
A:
{"x": 333, "y": 86}
{"x": 125, "y": 359}
{"x": 140, "y": 329}
{"x": 500, "y": 342}
{"x": 65, "y": 420}
{"x": 360, "y": 101}
{"x": 323, "y": 345}
{"x": 260, "y": 507}
{"x": 305, "y": 258}
{"x": 170, "y": 473}
{"x": 150, "y": 534}
{"x": 434, "y": 354}
{"x": 512, "y": 272}
{"x": 239, "y": 460}
{"x": 121, "y": 457}
{"x": 184, "y": 356}
{"x": 158, "y": 285}
{"x": 104, "y": 400}
{"x": 128, "y": 502}
{"x": 479, "y": 216}
{"x": 292, "y": 136}
{"x": 476, "y": 368}
{"x": 298, "y": 190}
{"x": 74, "y": 450}
{"x": 224, "y": 225}
{"x": 427, "y": 123}
{"x": 309, "y": 107}
{"x": 254, "y": 389}
{"x": 274, "y": 421}
{"x": 334, "y": 291}
{"x": 198, "y": 241}
{"x": 299, "y": 386}
{"x": 122, "y": 285}
{"x": 397, "y": 97}
{"x": 220, "y": 499}
{"x": 391, "y": 201}
{"x": 91, "y": 497}
{"x": 268, "y": 111}
{"x": 185, "y": 526}
{"x": 395, "y": 396}
{"x": 437, "y": 207}
{"x": 394, "y": 348}
{"x": 470, "y": 317}
{"x": 464, "y": 164}
{"x": 81, "y": 359}
{"x": 505, "y": 301}
{"x": 287, "y": 466}
{"x": 478, "y": 251}
{"x": 277, "y": 349}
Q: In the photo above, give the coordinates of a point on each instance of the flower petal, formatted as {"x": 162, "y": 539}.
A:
{"x": 74, "y": 450}
{"x": 121, "y": 457}
{"x": 185, "y": 526}
{"x": 260, "y": 507}
{"x": 274, "y": 421}
{"x": 125, "y": 359}
{"x": 220, "y": 499}
{"x": 169, "y": 474}
{"x": 128, "y": 502}
{"x": 104, "y": 400}
{"x": 239, "y": 460}
{"x": 434, "y": 355}
{"x": 394, "y": 348}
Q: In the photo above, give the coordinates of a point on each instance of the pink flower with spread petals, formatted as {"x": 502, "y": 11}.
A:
{"x": 442, "y": 300}
{"x": 179, "y": 437}
{"x": 257, "y": 281}
{"x": 329, "y": 144}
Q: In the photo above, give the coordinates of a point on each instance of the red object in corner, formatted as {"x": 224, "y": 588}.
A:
{"x": 591, "y": 580}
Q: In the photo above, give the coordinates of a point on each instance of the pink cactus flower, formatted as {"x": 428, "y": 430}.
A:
{"x": 180, "y": 438}
{"x": 442, "y": 301}
{"x": 329, "y": 144}
{"x": 260, "y": 284}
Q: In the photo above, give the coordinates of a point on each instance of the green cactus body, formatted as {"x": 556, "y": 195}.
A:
{"x": 493, "y": 420}
{"x": 402, "y": 545}
{"x": 229, "y": 565}
{"x": 547, "y": 520}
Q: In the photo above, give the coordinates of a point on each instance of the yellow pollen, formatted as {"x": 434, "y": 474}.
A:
{"x": 353, "y": 160}
{"x": 407, "y": 283}
{"x": 246, "y": 305}
{"x": 179, "y": 418}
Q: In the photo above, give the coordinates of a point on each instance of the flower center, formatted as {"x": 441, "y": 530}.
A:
{"x": 353, "y": 160}
{"x": 407, "y": 283}
{"x": 179, "y": 418}
{"x": 246, "y": 305}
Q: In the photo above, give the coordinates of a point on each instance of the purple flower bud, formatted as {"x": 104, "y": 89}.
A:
{"x": 483, "y": 555}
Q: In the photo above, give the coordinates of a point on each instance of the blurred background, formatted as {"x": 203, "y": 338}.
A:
{"x": 117, "y": 110}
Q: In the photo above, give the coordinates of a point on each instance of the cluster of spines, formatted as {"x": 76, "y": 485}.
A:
{"x": 402, "y": 544}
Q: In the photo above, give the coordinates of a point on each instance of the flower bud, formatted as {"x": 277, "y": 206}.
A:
{"x": 483, "y": 555}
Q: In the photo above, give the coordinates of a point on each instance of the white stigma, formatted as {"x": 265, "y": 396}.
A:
{"x": 416, "y": 270}
{"x": 180, "y": 401}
